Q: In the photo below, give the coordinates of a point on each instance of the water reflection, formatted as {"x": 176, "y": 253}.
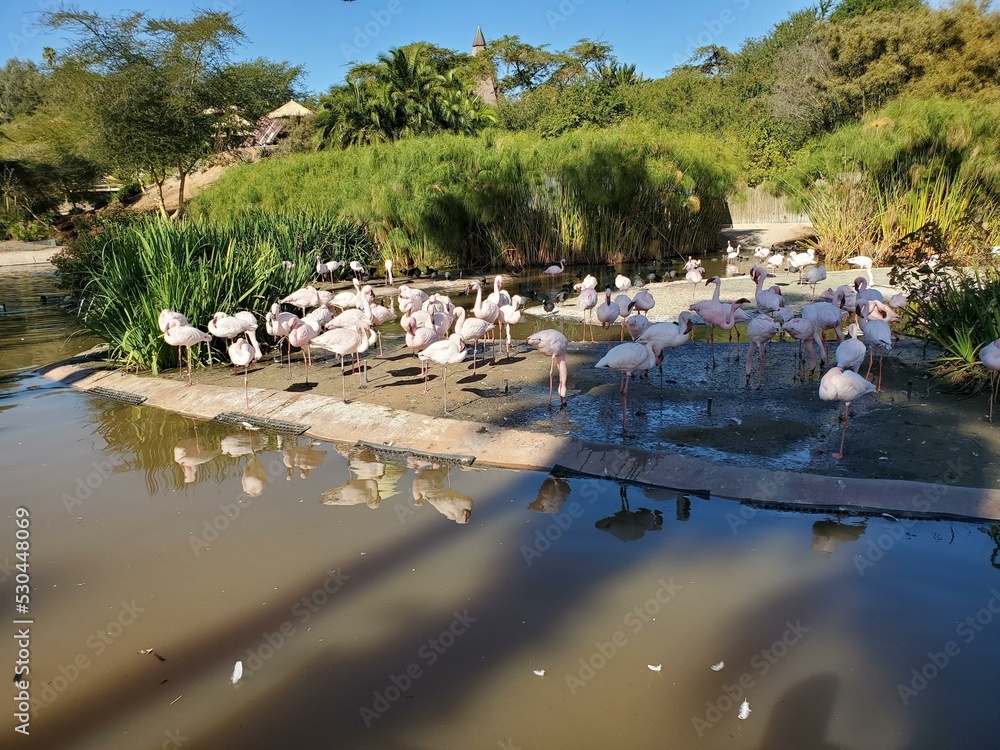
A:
{"x": 254, "y": 479}
{"x": 354, "y": 492}
{"x": 431, "y": 483}
{"x": 828, "y": 534}
{"x": 189, "y": 454}
{"x": 551, "y": 495}
{"x": 629, "y": 525}
{"x": 305, "y": 458}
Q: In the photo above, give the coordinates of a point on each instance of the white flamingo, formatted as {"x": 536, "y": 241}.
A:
{"x": 851, "y": 353}
{"x": 864, "y": 263}
{"x": 844, "y": 386}
{"x": 989, "y": 355}
{"x": 643, "y": 302}
{"x": 278, "y": 324}
{"x": 471, "y": 329}
{"x": 607, "y": 311}
{"x": 307, "y": 296}
{"x": 760, "y": 330}
{"x": 241, "y": 354}
{"x": 556, "y": 270}
{"x": 357, "y": 269}
{"x": 877, "y": 334}
{"x": 669, "y": 335}
{"x": 388, "y": 271}
{"x": 184, "y": 335}
{"x": 449, "y": 351}
{"x": 587, "y": 301}
{"x": 803, "y": 331}
{"x": 299, "y": 336}
{"x": 510, "y": 315}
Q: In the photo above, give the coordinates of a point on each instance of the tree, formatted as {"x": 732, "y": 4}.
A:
{"x": 853, "y": 8}
{"x": 20, "y": 88}
{"x": 157, "y": 90}
{"x": 524, "y": 66}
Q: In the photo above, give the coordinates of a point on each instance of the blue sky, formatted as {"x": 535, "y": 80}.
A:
{"x": 324, "y": 35}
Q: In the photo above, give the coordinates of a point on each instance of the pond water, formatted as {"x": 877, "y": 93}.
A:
{"x": 380, "y": 602}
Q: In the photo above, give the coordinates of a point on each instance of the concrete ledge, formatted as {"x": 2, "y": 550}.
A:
{"x": 27, "y": 253}
{"x": 333, "y": 420}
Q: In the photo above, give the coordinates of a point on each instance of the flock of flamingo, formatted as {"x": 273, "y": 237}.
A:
{"x": 438, "y": 331}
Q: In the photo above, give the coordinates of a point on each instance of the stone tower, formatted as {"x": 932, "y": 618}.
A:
{"x": 486, "y": 87}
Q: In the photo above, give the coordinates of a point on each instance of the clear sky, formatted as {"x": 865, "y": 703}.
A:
{"x": 323, "y": 36}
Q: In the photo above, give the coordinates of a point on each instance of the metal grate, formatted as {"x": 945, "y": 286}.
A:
{"x": 441, "y": 458}
{"x": 260, "y": 423}
{"x": 132, "y": 399}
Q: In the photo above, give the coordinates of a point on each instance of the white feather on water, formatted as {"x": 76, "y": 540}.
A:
{"x": 237, "y": 673}
{"x": 744, "y": 709}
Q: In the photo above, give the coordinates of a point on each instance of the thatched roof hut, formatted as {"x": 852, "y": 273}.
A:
{"x": 289, "y": 109}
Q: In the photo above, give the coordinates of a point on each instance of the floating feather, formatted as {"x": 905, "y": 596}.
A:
{"x": 237, "y": 673}
{"x": 718, "y": 667}
{"x": 744, "y": 709}
{"x": 655, "y": 667}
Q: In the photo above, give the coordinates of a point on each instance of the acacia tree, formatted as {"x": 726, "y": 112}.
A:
{"x": 157, "y": 91}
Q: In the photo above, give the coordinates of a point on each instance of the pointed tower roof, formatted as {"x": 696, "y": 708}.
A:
{"x": 480, "y": 40}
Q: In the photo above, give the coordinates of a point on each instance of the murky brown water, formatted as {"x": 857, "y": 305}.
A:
{"x": 33, "y": 333}
{"x": 376, "y": 604}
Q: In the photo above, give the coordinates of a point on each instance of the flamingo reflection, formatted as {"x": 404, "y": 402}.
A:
{"x": 629, "y": 525}
{"x": 189, "y": 454}
{"x": 551, "y": 495}
{"x": 828, "y": 534}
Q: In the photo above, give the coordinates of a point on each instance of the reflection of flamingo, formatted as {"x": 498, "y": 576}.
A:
{"x": 845, "y": 386}
{"x": 184, "y": 335}
{"x": 629, "y": 525}
{"x": 189, "y": 455}
{"x": 354, "y": 492}
{"x": 989, "y": 355}
{"x": 553, "y": 344}
{"x": 627, "y": 358}
{"x": 556, "y": 270}
{"x": 551, "y": 495}
{"x": 254, "y": 478}
{"x": 304, "y": 458}
{"x": 827, "y": 534}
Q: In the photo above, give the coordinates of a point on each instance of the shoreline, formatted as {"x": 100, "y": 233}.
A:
{"x": 328, "y": 418}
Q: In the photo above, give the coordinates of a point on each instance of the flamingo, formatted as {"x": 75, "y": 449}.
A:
{"x": 803, "y": 331}
{"x": 774, "y": 261}
{"x": 826, "y": 316}
{"x": 761, "y": 253}
{"x": 471, "y": 329}
{"x": 692, "y": 263}
{"x": 695, "y": 275}
{"x": 445, "y": 352}
{"x": 643, "y": 302}
{"x": 851, "y": 353}
{"x": 627, "y": 358}
{"x": 388, "y": 271}
{"x": 587, "y": 301}
{"x": 813, "y": 276}
{"x": 863, "y": 291}
{"x": 607, "y": 312}
{"x": 636, "y": 324}
{"x": 760, "y": 330}
{"x": 864, "y": 263}
{"x": 556, "y": 270}
{"x": 669, "y": 335}
{"x": 184, "y": 335}
{"x": 498, "y": 296}
{"x": 589, "y": 282}
{"x": 877, "y": 334}
{"x": 357, "y": 269}
{"x": 845, "y": 386}
{"x": 989, "y": 355}
{"x": 380, "y": 315}
{"x": 715, "y": 313}
{"x": 418, "y": 338}
{"x": 553, "y": 344}
{"x": 623, "y": 283}
{"x": 326, "y": 268}
{"x": 163, "y": 321}
{"x": 302, "y": 298}
{"x": 624, "y": 303}
{"x": 278, "y": 324}
{"x": 241, "y": 354}
{"x": 510, "y": 314}
{"x": 301, "y": 333}
{"x": 344, "y": 341}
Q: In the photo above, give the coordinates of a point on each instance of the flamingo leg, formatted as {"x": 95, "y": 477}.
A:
{"x": 426, "y": 390}
{"x": 246, "y": 387}
{"x": 993, "y": 391}
{"x": 624, "y": 390}
{"x": 843, "y": 430}
{"x": 552, "y": 366}
{"x": 189, "y": 365}
{"x": 444, "y": 369}
{"x": 760, "y": 371}
{"x": 878, "y": 388}
{"x": 871, "y": 360}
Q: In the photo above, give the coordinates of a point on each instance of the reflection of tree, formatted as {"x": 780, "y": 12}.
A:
{"x": 629, "y": 525}
{"x": 828, "y": 534}
{"x": 993, "y": 532}
{"x": 143, "y": 439}
{"x": 551, "y": 495}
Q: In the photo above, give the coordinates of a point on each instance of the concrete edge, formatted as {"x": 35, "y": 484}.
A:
{"x": 332, "y": 420}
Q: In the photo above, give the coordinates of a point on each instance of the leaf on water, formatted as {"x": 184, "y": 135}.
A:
{"x": 744, "y": 709}
{"x": 237, "y": 673}
{"x": 718, "y": 667}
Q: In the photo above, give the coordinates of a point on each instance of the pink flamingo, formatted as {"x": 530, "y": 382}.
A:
{"x": 471, "y": 329}
{"x": 300, "y": 335}
{"x": 510, "y": 315}
{"x": 803, "y": 331}
{"x": 556, "y": 270}
{"x": 669, "y": 335}
{"x": 624, "y": 303}
{"x": 163, "y": 321}
{"x": 344, "y": 341}
{"x": 760, "y": 330}
{"x": 307, "y": 296}
{"x": 877, "y": 334}
{"x": 587, "y": 301}
{"x": 628, "y": 358}
{"x": 721, "y": 316}
{"x": 498, "y": 296}
{"x": 184, "y": 335}
{"x": 278, "y": 324}
{"x": 851, "y": 353}
{"x": 553, "y": 344}
{"x": 989, "y": 355}
{"x": 445, "y": 352}
{"x": 241, "y": 354}
{"x": 643, "y": 302}
{"x": 696, "y": 275}
{"x": 418, "y": 338}
{"x": 607, "y": 312}
{"x": 845, "y": 386}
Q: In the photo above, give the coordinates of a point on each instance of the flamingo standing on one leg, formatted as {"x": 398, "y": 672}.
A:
{"x": 510, "y": 315}
{"x": 669, "y": 335}
{"x": 163, "y": 321}
{"x": 760, "y": 330}
{"x": 989, "y": 355}
{"x": 184, "y": 335}
{"x": 241, "y": 354}
{"x": 846, "y": 386}
{"x": 696, "y": 275}
{"x": 851, "y": 352}
{"x": 388, "y": 271}
{"x": 803, "y": 331}
{"x": 627, "y": 358}
{"x": 865, "y": 264}
{"x": 278, "y": 324}
{"x": 587, "y": 302}
{"x": 607, "y": 312}
{"x": 877, "y": 334}
{"x": 553, "y": 344}
{"x": 445, "y": 352}
{"x": 299, "y": 336}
